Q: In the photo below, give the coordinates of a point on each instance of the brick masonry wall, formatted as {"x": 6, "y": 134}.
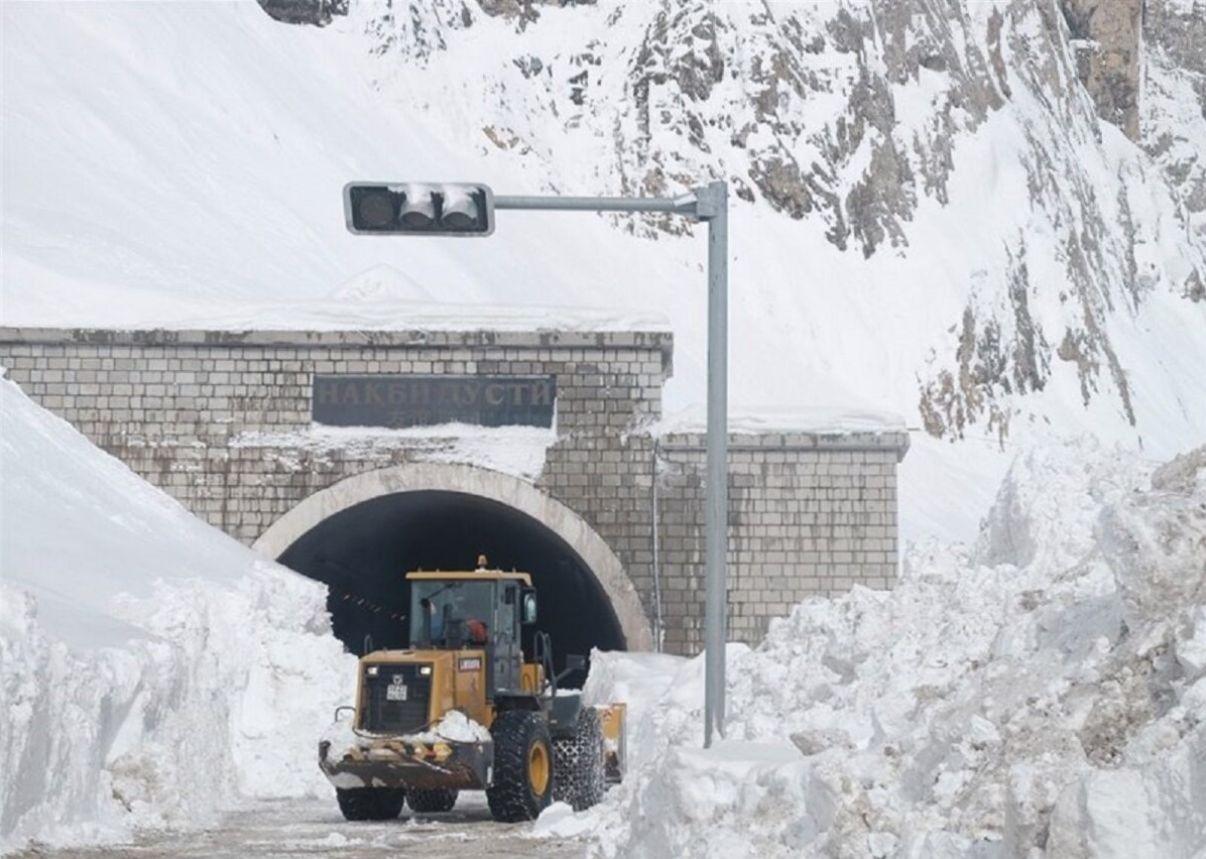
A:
{"x": 810, "y": 514}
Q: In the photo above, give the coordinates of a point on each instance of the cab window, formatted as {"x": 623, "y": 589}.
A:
{"x": 454, "y": 613}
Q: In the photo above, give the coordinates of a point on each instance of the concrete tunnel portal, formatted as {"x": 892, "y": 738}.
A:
{"x": 361, "y": 536}
{"x": 363, "y": 554}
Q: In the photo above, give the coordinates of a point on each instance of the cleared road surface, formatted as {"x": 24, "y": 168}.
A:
{"x": 316, "y": 828}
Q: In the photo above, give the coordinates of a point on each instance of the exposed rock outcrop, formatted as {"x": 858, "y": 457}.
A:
{"x": 316, "y": 12}
{"x": 1105, "y": 38}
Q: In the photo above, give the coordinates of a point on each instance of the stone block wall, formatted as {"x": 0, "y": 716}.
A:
{"x": 809, "y": 514}
{"x": 212, "y": 416}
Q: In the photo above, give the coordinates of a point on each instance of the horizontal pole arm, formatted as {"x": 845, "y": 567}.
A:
{"x": 681, "y": 205}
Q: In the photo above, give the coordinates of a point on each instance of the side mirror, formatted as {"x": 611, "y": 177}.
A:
{"x": 529, "y": 606}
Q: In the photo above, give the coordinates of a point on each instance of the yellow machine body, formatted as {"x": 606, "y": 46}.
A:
{"x": 420, "y": 686}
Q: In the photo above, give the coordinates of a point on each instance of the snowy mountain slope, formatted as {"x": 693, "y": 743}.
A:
{"x": 852, "y": 117}
{"x": 153, "y": 670}
{"x": 1172, "y": 109}
{"x": 929, "y": 216}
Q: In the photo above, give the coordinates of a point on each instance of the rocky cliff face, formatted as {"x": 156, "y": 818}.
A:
{"x": 1143, "y": 62}
{"x": 1105, "y": 39}
{"x": 316, "y": 12}
{"x": 851, "y": 118}
{"x": 1172, "y": 110}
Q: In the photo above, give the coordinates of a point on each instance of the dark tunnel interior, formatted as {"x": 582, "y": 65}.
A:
{"x": 364, "y": 552}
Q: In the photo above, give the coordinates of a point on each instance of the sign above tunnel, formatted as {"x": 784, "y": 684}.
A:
{"x": 415, "y": 401}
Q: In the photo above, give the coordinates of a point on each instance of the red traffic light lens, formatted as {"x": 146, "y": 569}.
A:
{"x": 375, "y": 210}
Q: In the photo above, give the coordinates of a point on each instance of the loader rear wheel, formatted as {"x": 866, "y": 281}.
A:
{"x": 578, "y": 774}
{"x": 429, "y": 801}
{"x": 370, "y": 803}
{"x": 523, "y": 766}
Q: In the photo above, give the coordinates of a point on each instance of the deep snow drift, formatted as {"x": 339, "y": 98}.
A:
{"x": 1042, "y": 693}
{"x": 152, "y": 668}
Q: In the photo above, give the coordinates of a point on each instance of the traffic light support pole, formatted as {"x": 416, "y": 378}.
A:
{"x": 708, "y": 204}
{"x": 684, "y": 205}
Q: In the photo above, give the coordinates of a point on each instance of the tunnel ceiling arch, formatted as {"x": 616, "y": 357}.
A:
{"x": 490, "y": 486}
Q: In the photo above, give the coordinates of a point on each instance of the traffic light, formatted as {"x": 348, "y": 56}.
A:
{"x": 418, "y": 209}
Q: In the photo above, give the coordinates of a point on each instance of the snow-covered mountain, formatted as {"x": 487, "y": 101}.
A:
{"x": 990, "y": 217}
{"x": 888, "y": 129}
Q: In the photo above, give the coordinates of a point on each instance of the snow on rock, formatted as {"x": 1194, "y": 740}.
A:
{"x": 1183, "y": 472}
{"x": 1039, "y": 694}
{"x": 153, "y": 669}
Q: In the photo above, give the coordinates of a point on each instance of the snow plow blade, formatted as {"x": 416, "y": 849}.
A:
{"x": 399, "y": 763}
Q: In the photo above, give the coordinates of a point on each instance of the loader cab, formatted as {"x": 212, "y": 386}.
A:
{"x": 479, "y": 610}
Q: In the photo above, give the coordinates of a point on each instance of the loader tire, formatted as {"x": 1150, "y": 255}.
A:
{"x": 370, "y": 803}
{"x": 523, "y": 766}
{"x": 578, "y": 769}
{"x": 431, "y": 801}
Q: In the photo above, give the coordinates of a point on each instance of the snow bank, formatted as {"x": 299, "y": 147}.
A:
{"x": 152, "y": 668}
{"x": 1038, "y": 694}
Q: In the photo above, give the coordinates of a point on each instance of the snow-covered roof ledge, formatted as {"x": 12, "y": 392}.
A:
{"x": 356, "y": 312}
{"x": 540, "y": 338}
{"x": 818, "y": 428}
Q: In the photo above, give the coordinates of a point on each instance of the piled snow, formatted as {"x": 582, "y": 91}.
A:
{"x": 559, "y": 821}
{"x": 454, "y": 727}
{"x": 152, "y": 668}
{"x": 1039, "y": 694}
{"x": 515, "y": 450}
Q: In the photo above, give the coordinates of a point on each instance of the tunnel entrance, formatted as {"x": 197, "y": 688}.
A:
{"x": 363, "y": 553}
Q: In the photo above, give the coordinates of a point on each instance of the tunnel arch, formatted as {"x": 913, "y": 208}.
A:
{"x": 483, "y": 488}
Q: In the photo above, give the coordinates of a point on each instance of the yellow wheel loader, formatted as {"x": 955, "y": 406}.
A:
{"x": 464, "y": 708}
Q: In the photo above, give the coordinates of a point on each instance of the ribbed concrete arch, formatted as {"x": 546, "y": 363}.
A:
{"x": 484, "y": 483}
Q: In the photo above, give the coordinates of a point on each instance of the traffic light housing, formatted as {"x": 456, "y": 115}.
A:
{"x": 419, "y": 208}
